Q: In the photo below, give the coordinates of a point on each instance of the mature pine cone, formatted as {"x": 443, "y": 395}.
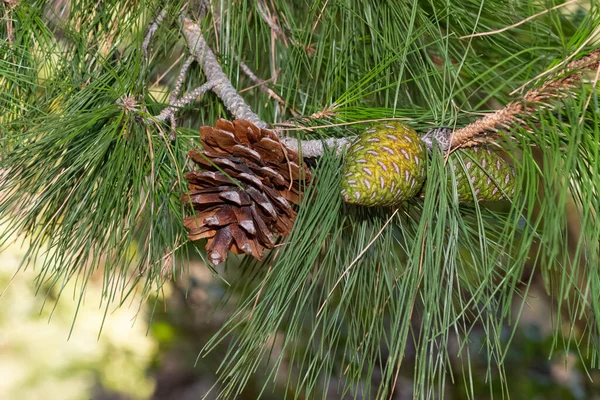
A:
{"x": 243, "y": 193}
{"x": 385, "y": 166}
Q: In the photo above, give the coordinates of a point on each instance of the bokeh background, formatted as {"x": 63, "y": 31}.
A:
{"x": 80, "y": 348}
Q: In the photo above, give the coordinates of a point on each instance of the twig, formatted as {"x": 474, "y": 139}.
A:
{"x": 518, "y": 23}
{"x": 214, "y": 73}
{"x": 272, "y": 21}
{"x": 10, "y": 29}
{"x": 185, "y": 100}
{"x": 263, "y": 86}
{"x": 591, "y": 38}
{"x": 152, "y": 28}
{"x": 180, "y": 79}
{"x": 315, "y": 147}
{"x": 173, "y": 130}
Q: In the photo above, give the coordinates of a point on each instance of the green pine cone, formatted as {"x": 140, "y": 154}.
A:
{"x": 483, "y": 175}
{"x": 384, "y": 167}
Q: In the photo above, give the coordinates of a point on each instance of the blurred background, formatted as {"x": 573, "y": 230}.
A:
{"x": 77, "y": 348}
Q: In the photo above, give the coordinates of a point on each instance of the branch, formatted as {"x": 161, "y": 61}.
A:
{"x": 185, "y": 100}
{"x": 263, "y": 86}
{"x": 222, "y": 87}
{"x": 218, "y": 82}
{"x": 180, "y": 79}
{"x": 152, "y": 28}
{"x": 316, "y": 147}
{"x": 214, "y": 73}
{"x": 554, "y": 87}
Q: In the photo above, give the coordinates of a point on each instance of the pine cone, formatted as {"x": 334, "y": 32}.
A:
{"x": 483, "y": 175}
{"x": 385, "y": 166}
{"x": 243, "y": 193}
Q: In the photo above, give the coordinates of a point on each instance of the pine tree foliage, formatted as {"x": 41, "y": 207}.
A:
{"x": 90, "y": 175}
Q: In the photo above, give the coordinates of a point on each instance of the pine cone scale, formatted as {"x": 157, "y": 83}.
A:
{"x": 280, "y": 200}
{"x": 218, "y": 137}
{"x": 242, "y": 241}
{"x": 206, "y": 198}
{"x": 250, "y": 178}
{"x": 209, "y": 178}
{"x": 223, "y": 216}
{"x": 291, "y": 196}
{"x": 245, "y": 152}
{"x": 219, "y": 245}
{"x": 263, "y": 202}
{"x": 245, "y": 219}
{"x": 197, "y": 229}
{"x": 263, "y": 232}
{"x": 270, "y": 150}
{"x": 237, "y": 197}
{"x": 273, "y": 175}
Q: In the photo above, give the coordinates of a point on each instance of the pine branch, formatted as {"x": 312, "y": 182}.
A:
{"x": 316, "y": 148}
{"x": 180, "y": 79}
{"x": 439, "y": 270}
{"x": 556, "y": 86}
{"x": 213, "y": 71}
{"x": 222, "y": 87}
{"x": 176, "y": 104}
{"x": 152, "y": 28}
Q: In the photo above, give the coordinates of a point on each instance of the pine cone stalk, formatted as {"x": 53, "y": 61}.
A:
{"x": 244, "y": 191}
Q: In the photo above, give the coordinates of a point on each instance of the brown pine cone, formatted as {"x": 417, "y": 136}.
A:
{"x": 243, "y": 192}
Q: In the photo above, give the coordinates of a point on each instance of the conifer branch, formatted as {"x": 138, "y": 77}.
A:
{"x": 263, "y": 86}
{"x": 151, "y": 30}
{"x": 316, "y": 147}
{"x": 180, "y": 79}
{"x": 185, "y": 100}
{"x": 235, "y": 103}
{"x": 213, "y": 71}
{"x": 555, "y": 87}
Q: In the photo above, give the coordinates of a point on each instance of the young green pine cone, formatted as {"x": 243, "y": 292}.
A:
{"x": 483, "y": 175}
{"x": 384, "y": 167}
